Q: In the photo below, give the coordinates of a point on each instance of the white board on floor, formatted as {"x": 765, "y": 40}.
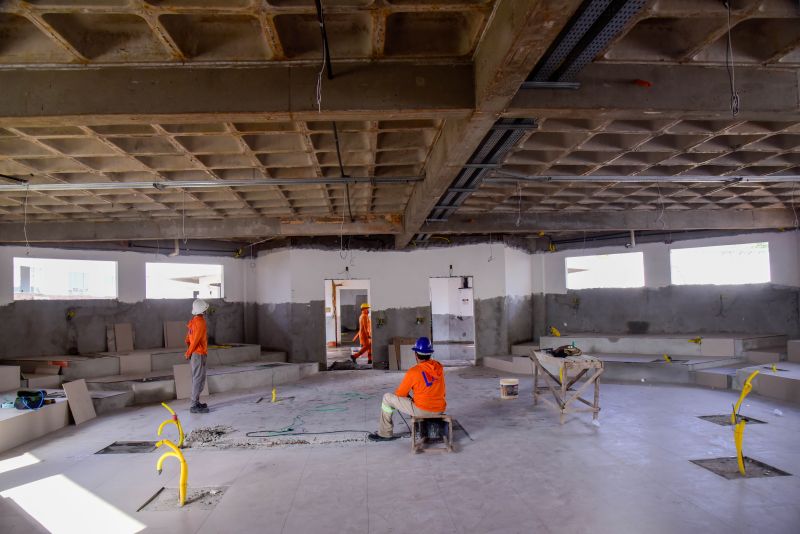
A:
{"x": 135, "y": 363}
{"x": 183, "y": 381}
{"x": 9, "y": 377}
{"x": 123, "y": 336}
{"x": 174, "y": 334}
{"x": 80, "y": 402}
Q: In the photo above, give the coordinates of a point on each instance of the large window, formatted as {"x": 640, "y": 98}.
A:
{"x": 50, "y": 279}
{"x": 183, "y": 281}
{"x": 721, "y": 265}
{"x": 606, "y": 270}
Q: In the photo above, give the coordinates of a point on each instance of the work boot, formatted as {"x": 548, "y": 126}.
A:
{"x": 355, "y": 360}
{"x": 198, "y": 408}
{"x": 374, "y": 436}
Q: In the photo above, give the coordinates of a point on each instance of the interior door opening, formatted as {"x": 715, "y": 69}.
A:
{"x": 343, "y": 300}
{"x": 453, "y": 320}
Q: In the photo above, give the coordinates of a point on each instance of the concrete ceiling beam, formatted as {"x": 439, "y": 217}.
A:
{"x": 504, "y": 58}
{"x": 241, "y": 228}
{"x": 614, "y": 221}
{"x": 132, "y": 94}
{"x": 679, "y": 91}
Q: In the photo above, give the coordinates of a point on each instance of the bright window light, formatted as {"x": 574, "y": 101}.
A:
{"x": 16, "y": 462}
{"x": 51, "y": 279}
{"x": 606, "y": 270}
{"x": 721, "y": 265}
{"x": 63, "y": 507}
{"x": 183, "y": 281}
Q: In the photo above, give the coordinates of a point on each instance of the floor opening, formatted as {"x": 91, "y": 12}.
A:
{"x": 728, "y": 467}
{"x": 725, "y": 420}
{"x": 167, "y": 499}
{"x": 128, "y": 447}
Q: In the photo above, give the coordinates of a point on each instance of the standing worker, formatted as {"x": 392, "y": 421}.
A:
{"x": 425, "y": 380}
{"x": 364, "y": 334}
{"x": 197, "y": 352}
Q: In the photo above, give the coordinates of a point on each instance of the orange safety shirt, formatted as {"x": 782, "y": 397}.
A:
{"x": 364, "y": 329}
{"x": 197, "y": 338}
{"x": 426, "y": 381}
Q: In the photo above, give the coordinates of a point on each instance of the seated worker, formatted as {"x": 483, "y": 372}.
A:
{"x": 425, "y": 380}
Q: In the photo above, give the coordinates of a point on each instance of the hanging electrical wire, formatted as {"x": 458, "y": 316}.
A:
{"x": 729, "y": 63}
{"x": 519, "y": 202}
{"x": 25, "y": 222}
{"x": 341, "y": 169}
{"x": 326, "y": 55}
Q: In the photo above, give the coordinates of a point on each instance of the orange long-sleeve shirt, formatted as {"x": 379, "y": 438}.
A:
{"x": 426, "y": 380}
{"x": 197, "y": 338}
{"x": 364, "y": 329}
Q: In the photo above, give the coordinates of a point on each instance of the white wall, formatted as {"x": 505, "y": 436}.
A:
{"x": 549, "y": 275}
{"x": 397, "y": 279}
{"x": 130, "y": 270}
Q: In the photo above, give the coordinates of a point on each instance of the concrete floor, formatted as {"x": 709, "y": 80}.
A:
{"x": 522, "y": 473}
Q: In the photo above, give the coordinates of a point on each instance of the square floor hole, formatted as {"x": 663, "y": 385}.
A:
{"x": 729, "y": 468}
{"x": 166, "y": 499}
{"x": 725, "y": 420}
{"x": 128, "y": 447}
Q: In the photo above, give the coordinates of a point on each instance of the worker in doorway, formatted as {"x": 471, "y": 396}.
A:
{"x": 197, "y": 353}
{"x": 364, "y": 334}
{"x": 425, "y": 381}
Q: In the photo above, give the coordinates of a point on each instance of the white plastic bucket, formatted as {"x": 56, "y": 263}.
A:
{"x": 509, "y": 388}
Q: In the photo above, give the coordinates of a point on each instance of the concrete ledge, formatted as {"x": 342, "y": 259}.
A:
{"x": 712, "y": 345}
{"x": 20, "y": 426}
{"x": 793, "y": 350}
{"x": 782, "y": 385}
{"x": 159, "y": 386}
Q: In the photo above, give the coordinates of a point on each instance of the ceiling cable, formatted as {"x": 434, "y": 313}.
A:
{"x": 25, "y": 223}
{"x": 519, "y": 202}
{"x": 326, "y": 55}
{"x": 183, "y": 218}
{"x": 341, "y": 169}
{"x": 730, "y": 64}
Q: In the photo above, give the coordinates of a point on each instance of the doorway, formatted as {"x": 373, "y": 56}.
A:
{"x": 343, "y": 300}
{"x": 453, "y": 320}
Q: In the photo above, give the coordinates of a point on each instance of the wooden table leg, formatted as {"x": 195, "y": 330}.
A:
{"x": 596, "y": 397}
{"x": 564, "y": 381}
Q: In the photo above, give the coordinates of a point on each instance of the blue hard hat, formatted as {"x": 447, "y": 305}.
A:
{"x": 423, "y": 346}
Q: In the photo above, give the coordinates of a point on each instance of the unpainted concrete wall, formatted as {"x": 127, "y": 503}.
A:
{"x": 37, "y": 328}
{"x": 751, "y": 309}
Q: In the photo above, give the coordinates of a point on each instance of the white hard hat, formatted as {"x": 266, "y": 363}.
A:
{"x": 199, "y": 306}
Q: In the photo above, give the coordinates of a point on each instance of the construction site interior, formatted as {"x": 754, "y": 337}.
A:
{"x": 375, "y": 266}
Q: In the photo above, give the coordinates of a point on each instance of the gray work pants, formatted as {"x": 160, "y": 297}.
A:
{"x": 392, "y": 402}
{"x": 198, "y": 376}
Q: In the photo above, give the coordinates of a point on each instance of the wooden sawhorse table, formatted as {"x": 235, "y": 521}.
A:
{"x": 570, "y": 370}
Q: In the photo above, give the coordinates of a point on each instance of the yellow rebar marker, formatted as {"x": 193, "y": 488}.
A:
{"x": 174, "y": 421}
{"x": 274, "y": 395}
{"x": 554, "y": 331}
{"x": 738, "y": 435}
{"x": 669, "y": 360}
{"x": 561, "y": 374}
{"x": 746, "y": 389}
{"x": 176, "y": 452}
